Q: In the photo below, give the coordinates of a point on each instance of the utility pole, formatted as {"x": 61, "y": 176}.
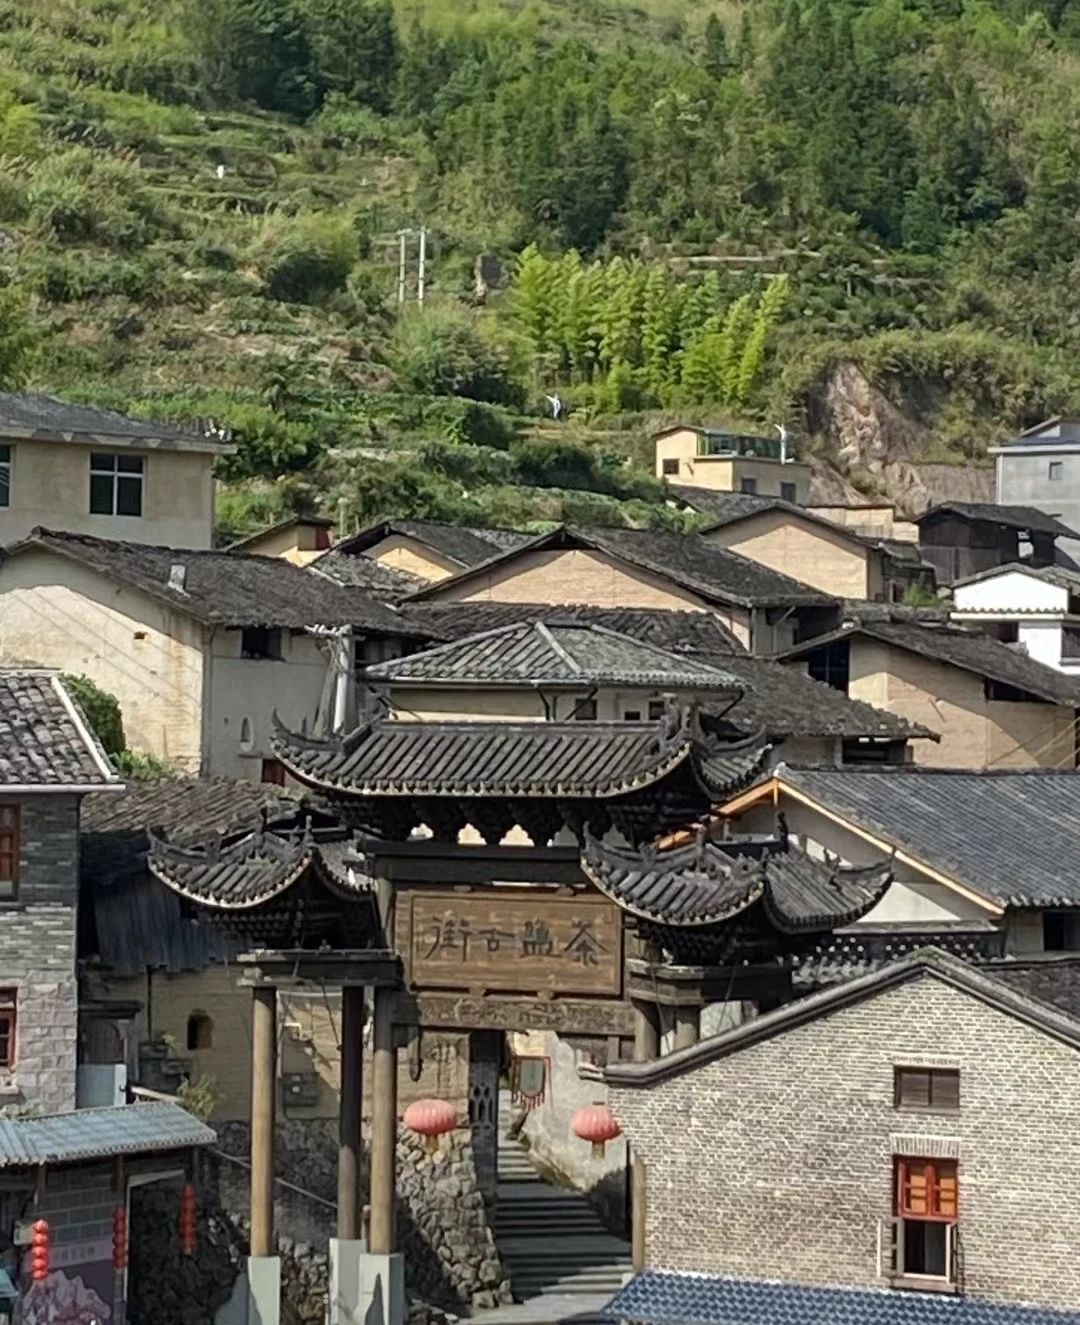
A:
{"x": 404, "y": 236}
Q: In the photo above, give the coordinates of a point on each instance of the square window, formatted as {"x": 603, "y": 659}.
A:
{"x": 116, "y": 484}
{"x": 9, "y": 850}
{"x": 273, "y": 771}
{"x": 260, "y": 642}
{"x": 584, "y": 710}
{"x": 748, "y": 485}
{"x": 789, "y": 492}
{"x": 1055, "y": 470}
{"x": 657, "y": 709}
{"x": 926, "y": 1088}
{"x": 670, "y": 467}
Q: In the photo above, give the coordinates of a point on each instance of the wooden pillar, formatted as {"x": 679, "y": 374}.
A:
{"x": 383, "y": 1126}
{"x": 263, "y": 1110}
{"x": 646, "y": 1048}
{"x": 350, "y": 1111}
{"x": 687, "y": 1027}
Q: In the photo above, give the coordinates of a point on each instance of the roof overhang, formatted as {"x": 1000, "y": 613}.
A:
{"x": 771, "y": 792}
{"x": 122, "y": 442}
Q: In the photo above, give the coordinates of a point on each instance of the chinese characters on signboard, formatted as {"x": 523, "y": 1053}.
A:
{"x": 510, "y": 942}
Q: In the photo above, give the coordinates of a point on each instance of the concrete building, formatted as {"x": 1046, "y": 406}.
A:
{"x": 991, "y": 705}
{"x": 1041, "y": 468}
{"x": 730, "y": 462}
{"x": 300, "y": 540}
{"x": 1036, "y": 610}
{"x": 199, "y": 647}
{"x": 860, "y": 1147}
{"x": 95, "y": 472}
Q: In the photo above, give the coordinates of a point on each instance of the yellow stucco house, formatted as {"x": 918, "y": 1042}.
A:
{"x": 93, "y": 471}
{"x": 725, "y": 461}
{"x": 199, "y": 647}
{"x": 993, "y": 706}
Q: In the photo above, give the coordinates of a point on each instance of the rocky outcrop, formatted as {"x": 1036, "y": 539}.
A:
{"x": 878, "y": 444}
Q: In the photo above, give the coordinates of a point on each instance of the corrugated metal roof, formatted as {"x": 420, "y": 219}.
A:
{"x": 129, "y": 1129}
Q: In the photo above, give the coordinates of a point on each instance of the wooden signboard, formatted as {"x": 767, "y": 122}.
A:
{"x": 511, "y": 942}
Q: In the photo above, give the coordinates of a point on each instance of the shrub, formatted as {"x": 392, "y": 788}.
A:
{"x": 101, "y": 710}
{"x": 441, "y": 353}
{"x": 312, "y": 260}
{"x": 79, "y": 195}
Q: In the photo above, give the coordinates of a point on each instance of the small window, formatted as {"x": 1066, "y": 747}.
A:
{"x": 584, "y": 710}
{"x": 5, "y": 475}
{"x": 9, "y": 850}
{"x": 1055, "y": 471}
{"x": 8, "y": 1001}
{"x": 926, "y": 1088}
{"x": 116, "y": 484}
{"x": 258, "y": 642}
{"x": 1061, "y": 931}
{"x": 657, "y": 709}
{"x": 200, "y": 1031}
{"x": 247, "y": 739}
{"x": 273, "y": 770}
{"x": 789, "y": 492}
{"x": 631, "y": 715}
{"x": 922, "y": 1248}
{"x": 670, "y": 467}
{"x": 748, "y": 485}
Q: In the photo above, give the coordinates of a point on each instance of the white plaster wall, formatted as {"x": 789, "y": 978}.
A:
{"x": 1042, "y": 639}
{"x": 1011, "y": 591}
{"x": 254, "y": 688}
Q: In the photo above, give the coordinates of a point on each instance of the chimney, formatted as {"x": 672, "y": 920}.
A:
{"x": 177, "y": 576}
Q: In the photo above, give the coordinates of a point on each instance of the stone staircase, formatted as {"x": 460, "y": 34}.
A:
{"x": 550, "y": 1239}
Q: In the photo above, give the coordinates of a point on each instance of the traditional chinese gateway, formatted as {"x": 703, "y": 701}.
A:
{"x": 498, "y": 877}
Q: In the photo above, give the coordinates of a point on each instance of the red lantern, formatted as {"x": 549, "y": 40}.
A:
{"x": 119, "y": 1238}
{"x": 188, "y": 1219}
{"x": 39, "y": 1250}
{"x": 430, "y": 1119}
{"x": 595, "y": 1123}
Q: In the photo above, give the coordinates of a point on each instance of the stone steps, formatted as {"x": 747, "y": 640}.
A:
{"x": 550, "y": 1239}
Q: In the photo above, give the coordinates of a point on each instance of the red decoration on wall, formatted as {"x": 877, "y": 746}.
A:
{"x": 119, "y": 1239}
{"x": 188, "y": 1219}
{"x": 39, "y": 1250}
{"x": 595, "y": 1123}
{"x": 430, "y": 1119}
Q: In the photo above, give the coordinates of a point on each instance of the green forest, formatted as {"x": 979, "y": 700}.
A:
{"x": 699, "y": 210}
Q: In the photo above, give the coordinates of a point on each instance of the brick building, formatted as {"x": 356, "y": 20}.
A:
{"x": 912, "y": 1129}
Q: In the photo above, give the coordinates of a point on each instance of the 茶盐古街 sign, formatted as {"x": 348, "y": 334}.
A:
{"x": 510, "y": 942}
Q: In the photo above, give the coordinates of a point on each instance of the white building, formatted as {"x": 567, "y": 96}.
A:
{"x": 1037, "y": 610}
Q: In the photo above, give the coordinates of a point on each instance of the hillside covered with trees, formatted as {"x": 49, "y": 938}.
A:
{"x": 718, "y": 210}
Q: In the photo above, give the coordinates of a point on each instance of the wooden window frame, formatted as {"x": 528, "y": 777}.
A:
{"x": 942, "y": 1189}
{"x": 935, "y": 1077}
{"x": 9, "y": 1018}
{"x": 10, "y": 848}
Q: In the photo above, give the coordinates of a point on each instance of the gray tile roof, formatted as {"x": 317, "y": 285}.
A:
{"x": 687, "y": 560}
{"x": 51, "y": 419}
{"x": 543, "y": 759}
{"x": 387, "y": 583}
{"x": 467, "y": 546}
{"x": 553, "y": 653}
{"x": 691, "y": 634}
{"x": 723, "y": 507}
{"x": 1013, "y": 837}
{"x": 245, "y": 873}
{"x": 956, "y": 646}
{"x": 116, "y": 830}
{"x": 45, "y": 740}
{"x": 1025, "y": 519}
{"x": 706, "y": 882}
{"x": 664, "y": 1297}
{"x": 1061, "y": 576}
{"x": 85, "y": 1134}
{"x": 223, "y": 588}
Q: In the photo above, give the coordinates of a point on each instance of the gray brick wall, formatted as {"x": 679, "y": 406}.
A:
{"x": 777, "y": 1161}
{"x": 37, "y": 957}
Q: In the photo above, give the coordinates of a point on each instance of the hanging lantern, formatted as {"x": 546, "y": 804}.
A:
{"x": 595, "y": 1123}
{"x": 188, "y": 1219}
{"x": 430, "y": 1119}
{"x": 39, "y": 1250}
{"x": 119, "y": 1238}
